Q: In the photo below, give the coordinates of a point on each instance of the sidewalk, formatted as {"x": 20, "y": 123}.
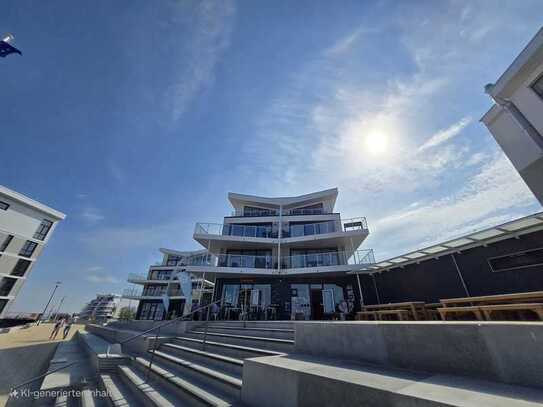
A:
{"x": 25, "y": 353}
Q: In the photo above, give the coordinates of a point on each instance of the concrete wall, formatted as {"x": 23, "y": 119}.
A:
{"x": 500, "y": 351}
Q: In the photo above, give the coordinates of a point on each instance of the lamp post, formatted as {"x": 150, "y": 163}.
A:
{"x": 48, "y": 302}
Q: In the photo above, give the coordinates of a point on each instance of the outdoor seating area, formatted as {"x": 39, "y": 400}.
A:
{"x": 504, "y": 307}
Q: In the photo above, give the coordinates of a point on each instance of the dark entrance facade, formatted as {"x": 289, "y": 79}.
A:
{"x": 285, "y": 298}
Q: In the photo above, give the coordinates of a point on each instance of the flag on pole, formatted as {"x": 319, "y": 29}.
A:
{"x": 6, "y": 49}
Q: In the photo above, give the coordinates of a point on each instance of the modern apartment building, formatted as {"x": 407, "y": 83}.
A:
{"x": 283, "y": 258}
{"x": 516, "y": 119}
{"x": 102, "y": 308}
{"x": 25, "y": 228}
{"x": 166, "y": 289}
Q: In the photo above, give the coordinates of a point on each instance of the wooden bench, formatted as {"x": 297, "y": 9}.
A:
{"x": 536, "y": 308}
{"x": 400, "y": 314}
{"x": 461, "y": 310}
{"x": 431, "y": 311}
{"x": 516, "y": 298}
{"x": 416, "y": 308}
{"x": 364, "y": 316}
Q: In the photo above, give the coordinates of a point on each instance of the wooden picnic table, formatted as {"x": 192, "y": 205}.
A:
{"x": 415, "y": 307}
{"x": 533, "y": 296}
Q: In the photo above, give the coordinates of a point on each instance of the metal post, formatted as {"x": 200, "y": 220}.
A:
{"x": 48, "y": 302}
{"x": 460, "y": 276}
{"x": 360, "y": 291}
{"x": 376, "y": 290}
{"x": 205, "y": 330}
{"x": 152, "y": 355}
{"x": 279, "y": 236}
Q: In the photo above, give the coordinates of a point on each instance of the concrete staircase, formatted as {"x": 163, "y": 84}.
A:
{"x": 185, "y": 372}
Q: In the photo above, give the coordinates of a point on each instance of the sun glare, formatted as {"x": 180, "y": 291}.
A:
{"x": 376, "y": 143}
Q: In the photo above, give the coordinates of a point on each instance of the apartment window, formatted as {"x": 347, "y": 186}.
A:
{"x": 6, "y": 284}
{"x": 28, "y": 249}
{"x": 537, "y": 86}
{"x": 6, "y": 243}
{"x": 518, "y": 260}
{"x": 173, "y": 260}
{"x": 20, "y": 268}
{"x": 43, "y": 229}
{"x": 4, "y": 206}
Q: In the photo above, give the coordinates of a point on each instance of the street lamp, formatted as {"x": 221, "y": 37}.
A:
{"x": 6, "y": 48}
{"x": 48, "y": 302}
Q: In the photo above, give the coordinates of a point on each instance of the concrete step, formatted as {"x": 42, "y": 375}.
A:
{"x": 226, "y": 349}
{"x": 218, "y": 382}
{"x": 323, "y": 382}
{"x": 150, "y": 394}
{"x": 279, "y": 333}
{"x": 279, "y": 345}
{"x": 119, "y": 394}
{"x": 195, "y": 393}
{"x": 255, "y": 324}
{"x": 225, "y": 364}
{"x": 89, "y": 398}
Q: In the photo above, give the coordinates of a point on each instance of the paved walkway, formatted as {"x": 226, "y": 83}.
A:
{"x": 25, "y": 353}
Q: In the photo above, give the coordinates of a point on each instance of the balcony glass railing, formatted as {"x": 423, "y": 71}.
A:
{"x": 134, "y": 292}
{"x": 269, "y": 231}
{"x": 235, "y": 230}
{"x": 235, "y": 260}
{"x": 328, "y": 259}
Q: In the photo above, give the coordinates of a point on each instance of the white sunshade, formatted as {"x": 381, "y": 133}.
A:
{"x": 487, "y": 234}
{"x": 522, "y": 223}
{"x": 434, "y": 249}
{"x": 459, "y": 242}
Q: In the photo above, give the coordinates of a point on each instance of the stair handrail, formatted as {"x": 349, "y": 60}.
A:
{"x": 157, "y": 329}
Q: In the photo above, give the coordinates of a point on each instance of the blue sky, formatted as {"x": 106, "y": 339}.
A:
{"x": 136, "y": 118}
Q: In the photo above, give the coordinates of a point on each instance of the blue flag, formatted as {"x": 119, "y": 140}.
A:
{"x": 6, "y": 49}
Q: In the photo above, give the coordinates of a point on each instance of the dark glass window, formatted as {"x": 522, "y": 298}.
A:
{"x": 28, "y": 249}
{"x": 6, "y": 284}
{"x": 4, "y": 206}
{"x": 519, "y": 260}
{"x": 43, "y": 229}
{"x": 6, "y": 243}
{"x": 20, "y": 268}
{"x": 538, "y": 86}
{"x": 2, "y": 305}
{"x": 173, "y": 260}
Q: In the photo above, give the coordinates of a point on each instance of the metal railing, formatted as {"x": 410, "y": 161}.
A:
{"x": 238, "y": 260}
{"x": 159, "y": 327}
{"x": 328, "y": 259}
{"x": 264, "y": 231}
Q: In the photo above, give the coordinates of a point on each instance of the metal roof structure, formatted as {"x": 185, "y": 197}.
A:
{"x": 508, "y": 230}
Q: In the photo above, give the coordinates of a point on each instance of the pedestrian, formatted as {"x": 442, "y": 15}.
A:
{"x": 67, "y": 327}
{"x": 215, "y": 311}
{"x": 56, "y": 329}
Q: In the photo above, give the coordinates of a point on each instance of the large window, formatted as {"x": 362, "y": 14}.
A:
{"x": 21, "y": 267}
{"x": 4, "y": 206}
{"x": 28, "y": 249}
{"x": 537, "y": 86}
{"x": 518, "y": 260}
{"x": 173, "y": 260}
{"x": 43, "y": 229}
{"x": 6, "y": 243}
{"x": 152, "y": 310}
{"x": 6, "y": 284}
{"x": 255, "y": 211}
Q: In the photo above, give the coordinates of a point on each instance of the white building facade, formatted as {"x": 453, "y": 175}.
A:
{"x": 102, "y": 308}
{"x": 167, "y": 290}
{"x": 516, "y": 118}
{"x": 25, "y": 228}
{"x": 283, "y": 258}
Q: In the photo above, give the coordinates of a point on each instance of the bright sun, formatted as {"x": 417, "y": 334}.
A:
{"x": 376, "y": 143}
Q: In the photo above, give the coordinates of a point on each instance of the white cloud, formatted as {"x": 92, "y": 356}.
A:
{"x": 95, "y": 268}
{"x": 101, "y": 279}
{"x": 446, "y": 134}
{"x": 92, "y": 215}
{"x": 209, "y": 39}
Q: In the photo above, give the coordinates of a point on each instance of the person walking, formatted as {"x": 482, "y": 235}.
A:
{"x": 67, "y": 327}
{"x": 56, "y": 329}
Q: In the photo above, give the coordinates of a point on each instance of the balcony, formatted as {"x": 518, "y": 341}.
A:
{"x": 329, "y": 259}
{"x": 273, "y": 212}
{"x": 235, "y": 230}
{"x": 147, "y": 278}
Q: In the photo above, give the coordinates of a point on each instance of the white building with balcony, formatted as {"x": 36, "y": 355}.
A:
{"x": 283, "y": 258}
{"x": 102, "y": 308}
{"x": 160, "y": 291}
{"x": 516, "y": 118}
{"x": 25, "y": 228}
